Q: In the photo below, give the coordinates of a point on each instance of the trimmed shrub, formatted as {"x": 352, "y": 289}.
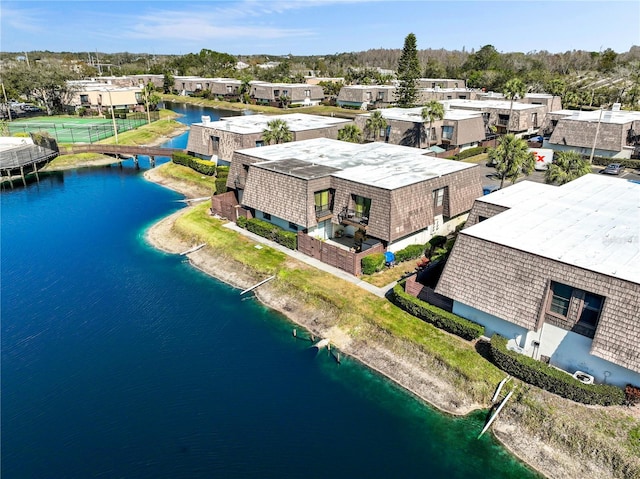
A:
{"x": 242, "y": 222}
{"x": 468, "y": 153}
{"x": 261, "y": 228}
{"x": 204, "y": 166}
{"x": 551, "y": 379}
{"x": 440, "y": 318}
{"x": 373, "y": 263}
{"x": 201, "y": 166}
{"x": 222, "y": 173}
{"x": 269, "y": 231}
{"x": 412, "y": 251}
{"x": 287, "y": 239}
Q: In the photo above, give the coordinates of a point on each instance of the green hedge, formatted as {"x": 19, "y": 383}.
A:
{"x": 627, "y": 163}
{"x": 201, "y": 166}
{"x": 373, "y": 263}
{"x": 468, "y": 153}
{"x": 438, "y": 317}
{"x": 222, "y": 174}
{"x": 412, "y": 251}
{"x": 553, "y": 380}
{"x": 269, "y": 231}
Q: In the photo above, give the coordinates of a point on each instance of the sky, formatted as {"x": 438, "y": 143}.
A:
{"x": 315, "y": 27}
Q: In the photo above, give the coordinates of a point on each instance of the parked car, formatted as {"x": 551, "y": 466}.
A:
{"x": 613, "y": 169}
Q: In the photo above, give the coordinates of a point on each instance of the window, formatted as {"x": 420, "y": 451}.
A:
{"x": 368, "y": 96}
{"x": 215, "y": 144}
{"x": 307, "y": 93}
{"x": 293, "y": 226}
{"x": 276, "y": 93}
{"x": 285, "y": 92}
{"x": 503, "y": 120}
{"x": 591, "y": 310}
{"x": 447, "y": 132}
{"x": 229, "y": 89}
{"x": 84, "y": 98}
{"x": 380, "y": 95}
{"x": 266, "y": 216}
{"x": 362, "y": 206}
{"x": 534, "y": 120}
{"x": 259, "y": 142}
{"x": 323, "y": 201}
{"x": 438, "y": 197}
{"x": 560, "y": 298}
{"x": 482, "y": 218}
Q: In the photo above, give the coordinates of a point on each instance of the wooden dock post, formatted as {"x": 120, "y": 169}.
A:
{"x": 24, "y": 180}
{"x": 152, "y": 161}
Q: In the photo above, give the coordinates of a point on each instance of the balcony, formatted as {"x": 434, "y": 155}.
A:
{"x": 353, "y": 217}
{"x": 323, "y": 214}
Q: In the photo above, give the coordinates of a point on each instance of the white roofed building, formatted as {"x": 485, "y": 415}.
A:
{"x": 328, "y": 188}
{"x": 555, "y": 270}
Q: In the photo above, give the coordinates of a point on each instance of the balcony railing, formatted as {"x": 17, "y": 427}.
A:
{"x": 354, "y": 217}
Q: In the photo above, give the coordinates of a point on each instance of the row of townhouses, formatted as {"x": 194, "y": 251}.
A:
{"x": 553, "y": 269}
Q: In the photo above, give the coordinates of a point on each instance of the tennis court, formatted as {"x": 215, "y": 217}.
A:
{"x": 79, "y": 130}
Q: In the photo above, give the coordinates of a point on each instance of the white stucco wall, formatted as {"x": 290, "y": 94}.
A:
{"x": 567, "y": 350}
{"x": 571, "y": 352}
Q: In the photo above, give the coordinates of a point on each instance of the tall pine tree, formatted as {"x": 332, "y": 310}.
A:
{"x": 408, "y": 73}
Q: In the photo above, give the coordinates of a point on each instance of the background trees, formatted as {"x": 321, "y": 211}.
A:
{"x": 434, "y": 110}
{"x": 408, "y": 73}
{"x": 566, "y": 167}
{"x": 513, "y": 90}
{"x": 350, "y": 133}
{"x": 277, "y": 131}
{"x": 374, "y": 124}
{"x": 512, "y": 158}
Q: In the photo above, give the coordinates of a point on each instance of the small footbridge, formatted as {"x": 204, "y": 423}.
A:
{"x": 122, "y": 151}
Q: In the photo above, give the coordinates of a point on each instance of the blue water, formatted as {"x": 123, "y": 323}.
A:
{"x": 119, "y": 361}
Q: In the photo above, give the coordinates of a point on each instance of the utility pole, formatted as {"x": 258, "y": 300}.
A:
{"x": 6, "y": 102}
{"x": 595, "y": 137}
{"x": 146, "y": 101}
{"x": 113, "y": 117}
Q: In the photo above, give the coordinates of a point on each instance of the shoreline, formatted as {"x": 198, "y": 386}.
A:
{"x": 433, "y": 391}
{"x": 393, "y": 359}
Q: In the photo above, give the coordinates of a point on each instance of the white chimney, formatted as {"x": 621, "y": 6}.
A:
{"x": 206, "y": 119}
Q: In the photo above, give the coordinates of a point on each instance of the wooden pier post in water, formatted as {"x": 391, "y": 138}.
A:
{"x": 24, "y": 181}
{"x": 152, "y": 161}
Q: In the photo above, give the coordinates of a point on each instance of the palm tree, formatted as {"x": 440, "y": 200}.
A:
{"x": 511, "y": 157}
{"x": 350, "y": 133}
{"x": 567, "y": 166}
{"x": 513, "y": 89}
{"x": 434, "y": 110}
{"x": 284, "y": 100}
{"x": 374, "y": 124}
{"x": 277, "y": 131}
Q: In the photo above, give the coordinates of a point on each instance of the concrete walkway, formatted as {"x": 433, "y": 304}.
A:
{"x": 312, "y": 261}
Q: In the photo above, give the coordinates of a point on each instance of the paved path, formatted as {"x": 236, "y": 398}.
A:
{"x": 381, "y": 292}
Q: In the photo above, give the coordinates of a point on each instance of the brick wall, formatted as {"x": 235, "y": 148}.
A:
{"x": 513, "y": 285}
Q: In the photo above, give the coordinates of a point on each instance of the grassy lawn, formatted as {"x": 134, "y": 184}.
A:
{"x": 389, "y": 275}
{"x": 226, "y": 105}
{"x": 358, "y": 312}
{"x": 481, "y": 158}
{"x": 186, "y": 174}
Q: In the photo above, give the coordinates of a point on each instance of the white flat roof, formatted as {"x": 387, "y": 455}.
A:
{"x": 376, "y": 164}
{"x": 369, "y": 87}
{"x": 592, "y": 223}
{"x": 617, "y": 117}
{"x": 248, "y": 124}
{"x": 415, "y": 114}
{"x": 497, "y": 104}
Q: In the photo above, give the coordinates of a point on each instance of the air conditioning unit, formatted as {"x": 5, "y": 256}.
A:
{"x": 616, "y": 107}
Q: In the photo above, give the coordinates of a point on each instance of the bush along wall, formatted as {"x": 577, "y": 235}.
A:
{"x": 440, "y": 318}
{"x": 372, "y": 263}
{"x": 553, "y": 380}
{"x": 201, "y": 166}
{"x": 269, "y": 231}
{"x": 222, "y": 173}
